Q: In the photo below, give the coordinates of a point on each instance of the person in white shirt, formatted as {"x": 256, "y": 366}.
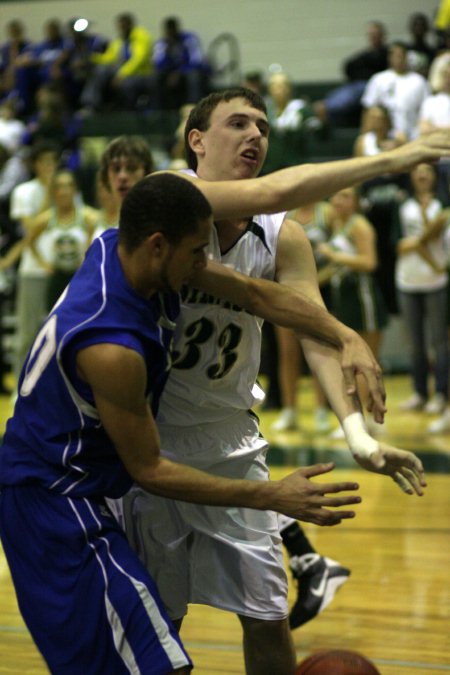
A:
{"x": 28, "y": 200}
{"x": 435, "y": 114}
{"x": 400, "y": 91}
{"x": 421, "y": 279}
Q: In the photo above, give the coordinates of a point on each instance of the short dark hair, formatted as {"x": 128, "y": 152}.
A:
{"x": 126, "y": 17}
{"x": 133, "y": 147}
{"x": 200, "y": 115}
{"x": 162, "y": 202}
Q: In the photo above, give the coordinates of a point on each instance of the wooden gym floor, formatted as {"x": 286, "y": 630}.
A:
{"x": 395, "y": 608}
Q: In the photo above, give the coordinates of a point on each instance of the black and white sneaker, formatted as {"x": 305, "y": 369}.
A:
{"x": 318, "y": 580}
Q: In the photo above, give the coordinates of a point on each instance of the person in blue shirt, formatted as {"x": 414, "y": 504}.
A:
{"x": 15, "y": 84}
{"x": 181, "y": 67}
{"x": 83, "y": 430}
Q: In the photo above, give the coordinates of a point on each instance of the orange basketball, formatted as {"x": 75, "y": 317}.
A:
{"x": 336, "y": 662}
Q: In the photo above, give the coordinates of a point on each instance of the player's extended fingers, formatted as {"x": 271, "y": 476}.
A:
{"x": 341, "y": 500}
{"x": 328, "y": 518}
{"x": 317, "y": 469}
{"x": 416, "y": 466}
{"x": 338, "y": 487}
{"x": 413, "y": 479}
{"x": 403, "y": 483}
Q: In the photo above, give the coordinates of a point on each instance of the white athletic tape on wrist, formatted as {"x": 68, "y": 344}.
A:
{"x": 358, "y": 438}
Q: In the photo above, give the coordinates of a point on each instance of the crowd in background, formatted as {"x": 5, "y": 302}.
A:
{"x": 380, "y": 250}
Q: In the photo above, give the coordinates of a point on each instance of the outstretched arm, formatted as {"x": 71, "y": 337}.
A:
{"x": 403, "y": 466}
{"x": 290, "y": 188}
{"x": 296, "y": 269}
{"x": 274, "y": 302}
{"x": 117, "y": 377}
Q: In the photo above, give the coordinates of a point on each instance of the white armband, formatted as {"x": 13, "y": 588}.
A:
{"x": 358, "y": 438}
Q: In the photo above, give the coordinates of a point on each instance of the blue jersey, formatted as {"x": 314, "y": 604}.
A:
{"x": 55, "y": 438}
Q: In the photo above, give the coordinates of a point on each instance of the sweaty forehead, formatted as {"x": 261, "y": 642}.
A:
{"x": 237, "y": 106}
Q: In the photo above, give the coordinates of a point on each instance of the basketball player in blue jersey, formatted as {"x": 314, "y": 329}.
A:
{"x": 83, "y": 430}
{"x": 231, "y": 558}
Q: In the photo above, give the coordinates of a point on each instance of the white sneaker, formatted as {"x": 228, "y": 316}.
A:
{"x": 436, "y": 405}
{"x": 442, "y": 424}
{"x": 414, "y": 402}
{"x": 321, "y": 420}
{"x": 337, "y": 435}
{"x": 287, "y": 420}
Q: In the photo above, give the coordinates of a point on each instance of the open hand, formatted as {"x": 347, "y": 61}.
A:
{"x": 300, "y": 498}
{"x": 404, "y": 467}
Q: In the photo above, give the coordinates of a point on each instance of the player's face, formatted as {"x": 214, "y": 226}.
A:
{"x": 235, "y": 144}
{"x": 123, "y": 173}
{"x": 186, "y": 258}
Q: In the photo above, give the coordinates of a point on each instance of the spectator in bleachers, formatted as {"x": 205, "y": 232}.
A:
{"x": 441, "y": 60}
{"x": 292, "y": 122}
{"x": 420, "y": 52}
{"x": 254, "y": 80}
{"x": 123, "y": 71}
{"x": 12, "y": 129}
{"x": 181, "y": 67}
{"x": 399, "y": 90}
{"x": 13, "y": 171}
{"x": 14, "y": 78}
{"x": 40, "y": 62}
{"x": 422, "y": 280}
{"x": 53, "y": 121}
{"x": 381, "y": 196}
{"x": 75, "y": 62}
{"x": 435, "y": 110}
{"x": 376, "y": 133}
{"x": 435, "y": 114}
{"x": 442, "y": 22}
{"x": 68, "y": 226}
{"x": 27, "y": 201}
{"x": 343, "y": 104}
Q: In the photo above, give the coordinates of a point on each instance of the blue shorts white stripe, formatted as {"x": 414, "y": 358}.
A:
{"x": 94, "y": 575}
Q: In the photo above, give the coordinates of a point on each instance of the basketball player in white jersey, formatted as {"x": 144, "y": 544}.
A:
{"x": 230, "y": 557}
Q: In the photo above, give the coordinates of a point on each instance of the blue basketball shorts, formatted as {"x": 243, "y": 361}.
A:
{"x": 87, "y": 600}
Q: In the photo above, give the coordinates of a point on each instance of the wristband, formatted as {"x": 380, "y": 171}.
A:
{"x": 358, "y": 438}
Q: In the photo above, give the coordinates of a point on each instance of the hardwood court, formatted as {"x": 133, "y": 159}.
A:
{"x": 395, "y": 608}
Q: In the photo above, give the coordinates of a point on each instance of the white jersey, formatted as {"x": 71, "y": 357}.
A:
{"x": 217, "y": 346}
{"x": 413, "y": 273}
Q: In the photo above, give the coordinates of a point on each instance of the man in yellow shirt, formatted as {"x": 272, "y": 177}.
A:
{"x": 124, "y": 70}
